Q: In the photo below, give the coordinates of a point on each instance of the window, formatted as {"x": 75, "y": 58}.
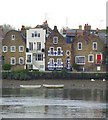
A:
{"x": 55, "y": 40}
{"x": 51, "y": 50}
{"x": 12, "y": 48}
{"x": 79, "y": 45}
{"x": 94, "y": 45}
{"x": 35, "y": 34}
{"x": 13, "y": 61}
{"x": 51, "y": 60}
{"x": 38, "y": 34}
{"x": 91, "y": 58}
{"x": 30, "y": 46}
{"x": 59, "y": 50}
{"x": 68, "y": 64}
{"x": 38, "y": 45}
{"x": 32, "y": 34}
{"x": 12, "y": 37}
{"x": 29, "y": 58}
{"x": 59, "y": 60}
{"x": 21, "y": 60}
{"x": 39, "y": 57}
{"x": 67, "y": 52}
{"x": 21, "y": 48}
{"x": 5, "y": 48}
{"x": 80, "y": 59}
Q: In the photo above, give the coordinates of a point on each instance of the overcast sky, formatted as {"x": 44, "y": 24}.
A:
{"x": 62, "y": 13}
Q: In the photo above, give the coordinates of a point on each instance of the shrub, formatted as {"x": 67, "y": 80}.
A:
{"x": 6, "y": 67}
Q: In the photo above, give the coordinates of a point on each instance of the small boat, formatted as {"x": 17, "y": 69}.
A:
{"x": 30, "y": 86}
{"x": 92, "y": 80}
{"x": 53, "y": 86}
{"x": 104, "y": 80}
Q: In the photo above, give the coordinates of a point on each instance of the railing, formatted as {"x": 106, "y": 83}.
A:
{"x": 55, "y": 65}
{"x": 55, "y": 53}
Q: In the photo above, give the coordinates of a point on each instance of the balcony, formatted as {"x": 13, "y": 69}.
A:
{"x": 59, "y": 53}
{"x": 52, "y": 53}
{"x": 55, "y": 53}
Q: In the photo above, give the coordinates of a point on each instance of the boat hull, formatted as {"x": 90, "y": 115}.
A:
{"x": 53, "y": 86}
{"x": 30, "y": 86}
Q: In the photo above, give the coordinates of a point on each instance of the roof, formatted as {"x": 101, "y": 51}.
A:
{"x": 19, "y": 32}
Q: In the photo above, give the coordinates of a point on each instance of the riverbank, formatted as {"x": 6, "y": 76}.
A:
{"x": 73, "y": 84}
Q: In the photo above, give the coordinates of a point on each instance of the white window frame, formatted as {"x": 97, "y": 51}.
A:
{"x": 60, "y": 50}
{"x": 50, "y": 61}
{"x": 11, "y": 59}
{"x": 39, "y": 45}
{"x": 11, "y": 48}
{"x": 78, "y": 45}
{"x": 37, "y": 57}
{"x": 93, "y": 46}
{"x": 30, "y": 54}
{"x": 35, "y": 34}
{"x": 12, "y": 37}
{"x": 67, "y": 52}
{"x": 50, "y": 50}
{"x": 38, "y": 35}
{"x": 80, "y": 63}
{"x": 21, "y": 58}
{"x": 89, "y": 58}
{"x": 20, "y": 48}
{"x": 55, "y": 42}
{"x": 5, "y": 47}
{"x": 32, "y": 35}
{"x": 59, "y": 59}
{"x": 31, "y": 46}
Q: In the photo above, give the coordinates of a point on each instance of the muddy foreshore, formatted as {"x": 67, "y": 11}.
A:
{"x": 73, "y": 84}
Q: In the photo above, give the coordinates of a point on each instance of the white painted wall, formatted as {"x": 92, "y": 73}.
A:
{"x": 37, "y": 64}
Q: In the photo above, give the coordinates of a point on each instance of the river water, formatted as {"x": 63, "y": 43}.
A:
{"x": 53, "y": 103}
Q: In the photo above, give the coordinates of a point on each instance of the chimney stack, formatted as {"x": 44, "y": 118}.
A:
{"x": 23, "y": 27}
{"x": 87, "y": 27}
{"x": 80, "y": 27}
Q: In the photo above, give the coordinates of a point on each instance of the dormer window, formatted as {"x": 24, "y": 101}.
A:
{"x": 79, "y": 45}
{"x": 12, "y": 37}
{"x": 55, "y": 40}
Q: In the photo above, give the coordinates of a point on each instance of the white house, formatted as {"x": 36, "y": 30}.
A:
{"x": 35, "y": 53}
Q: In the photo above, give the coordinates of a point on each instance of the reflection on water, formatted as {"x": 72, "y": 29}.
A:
{"x": 53, "y": 103}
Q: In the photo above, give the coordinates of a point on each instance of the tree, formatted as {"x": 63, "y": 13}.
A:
{"x": 7, "y": 27}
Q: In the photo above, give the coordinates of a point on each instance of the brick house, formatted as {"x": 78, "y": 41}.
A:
{"x": 88, "y": 51}
{"x": 57, "y": 51}
{"x": 14, "y": 49}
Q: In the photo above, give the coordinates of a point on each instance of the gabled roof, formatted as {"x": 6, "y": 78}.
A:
{"x": 19, "y": 32}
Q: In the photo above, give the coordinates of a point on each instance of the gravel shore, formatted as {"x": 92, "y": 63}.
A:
{"x": 75, "y": 84}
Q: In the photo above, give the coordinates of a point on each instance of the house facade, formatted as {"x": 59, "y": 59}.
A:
{"x": 88, "y": 51}
{"x": 58, "y": 52}
{"x": 35, "y": 53}
{"x": 14, "y": 49}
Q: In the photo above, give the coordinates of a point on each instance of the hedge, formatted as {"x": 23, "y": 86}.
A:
{"x": 34, "y": 75}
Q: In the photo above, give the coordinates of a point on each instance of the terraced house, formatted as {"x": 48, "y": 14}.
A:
{"x": 88, "y": 51}
{"x": 58, "y": 52}
{"x": 35, "y": 54}
{"x": 14, "y": 49}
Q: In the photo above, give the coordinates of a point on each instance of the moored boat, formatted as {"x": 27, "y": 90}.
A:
{"x": 30, "y": 86}
{"x": 53, "y": 86}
